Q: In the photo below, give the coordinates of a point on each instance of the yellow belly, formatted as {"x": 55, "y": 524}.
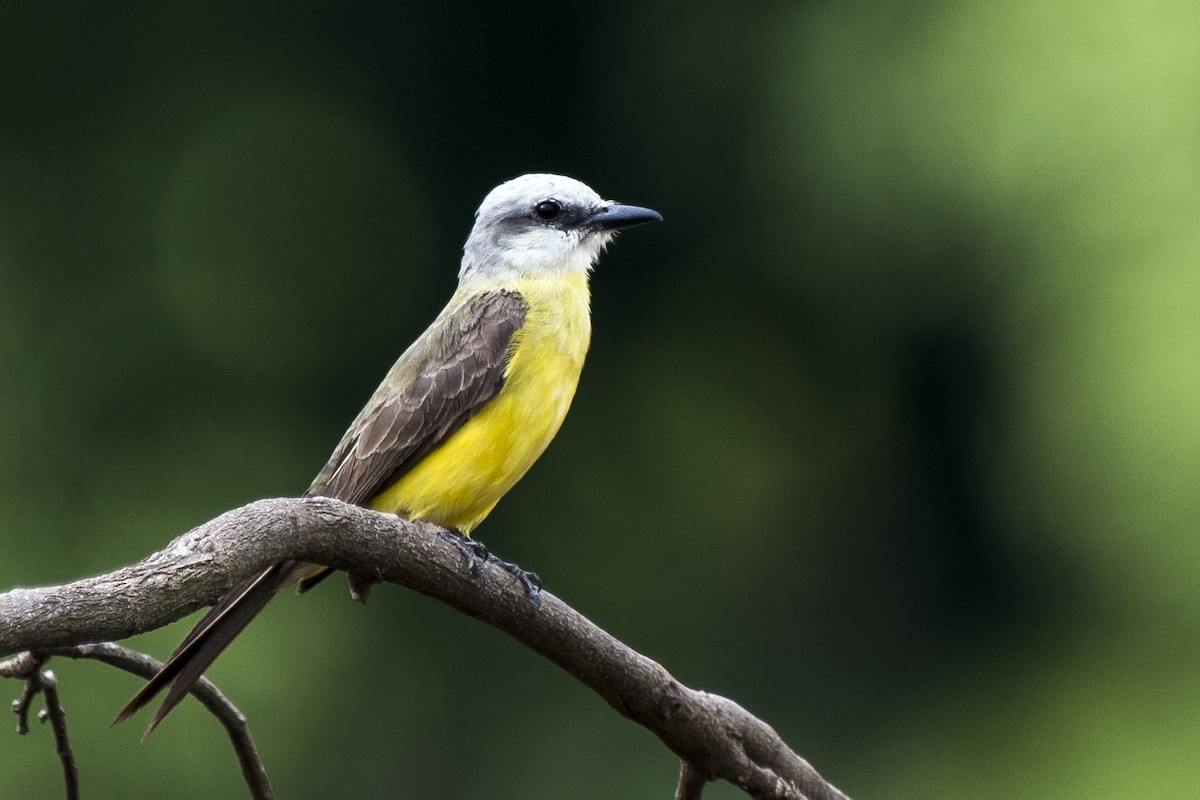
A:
{"x": 459, "y": 483}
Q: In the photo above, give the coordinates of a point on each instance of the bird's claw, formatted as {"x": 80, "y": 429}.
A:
{"x": 475, "y": 555}
{"x": 529, "y": 580}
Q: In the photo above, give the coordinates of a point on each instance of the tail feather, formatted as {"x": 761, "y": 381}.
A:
{"x": 209, "y": 638}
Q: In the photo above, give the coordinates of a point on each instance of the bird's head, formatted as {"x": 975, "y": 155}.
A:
{"x": 543, "y": 224}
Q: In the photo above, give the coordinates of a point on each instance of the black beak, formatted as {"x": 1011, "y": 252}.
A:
{"x": 617, "y": 216}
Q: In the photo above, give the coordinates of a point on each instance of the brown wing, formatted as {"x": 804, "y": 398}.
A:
{"x": 455, "y": 368}
{"x": 451, "y": 372}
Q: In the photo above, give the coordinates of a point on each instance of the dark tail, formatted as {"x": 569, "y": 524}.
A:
{"x": 212, "y": 634}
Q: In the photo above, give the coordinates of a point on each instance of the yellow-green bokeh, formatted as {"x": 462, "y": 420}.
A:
{"x": 889, "y": 432}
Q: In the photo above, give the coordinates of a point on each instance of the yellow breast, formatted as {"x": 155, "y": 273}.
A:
{"x": 459, "y": 483}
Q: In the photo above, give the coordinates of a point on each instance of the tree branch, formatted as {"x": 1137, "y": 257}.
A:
{"x": 29, "y": 666}
{"x": 715, "y": 736}
{"x": 691, "y": 782}
{"x": 204, "y": 690}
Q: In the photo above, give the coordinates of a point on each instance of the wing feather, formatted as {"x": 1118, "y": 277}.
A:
{"x": 451, "y": 372}
{"x": 439, "y": 383}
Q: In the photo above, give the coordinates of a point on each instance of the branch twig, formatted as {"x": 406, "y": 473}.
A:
{"x": 233, "y": 720}
{"x": 58, "y": 722}
{"x": 29, "y": 666}
{"x": 691, "y": 782}
{"x": 716, "y": 736}
{"x": 22, "y": 667}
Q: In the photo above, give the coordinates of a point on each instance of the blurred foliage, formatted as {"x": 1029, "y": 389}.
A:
{"x": 889, "y": 432}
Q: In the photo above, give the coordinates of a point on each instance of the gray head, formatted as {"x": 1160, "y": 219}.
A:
{"x": 543, "y": 224}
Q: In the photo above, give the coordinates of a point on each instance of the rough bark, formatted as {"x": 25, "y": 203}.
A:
{"x": 714, "y": 736}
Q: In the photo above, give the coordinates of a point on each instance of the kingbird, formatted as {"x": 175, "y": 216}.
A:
{"x": 467, "y": 408}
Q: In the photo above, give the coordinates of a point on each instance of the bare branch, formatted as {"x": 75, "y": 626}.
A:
{"x": 233, "y": 720}
{"x": 29, "y": 666}
{"x": 58, "y": 722}
{"x": 715, "y": 735}
{"x": 691, "y": 782}
{"x": 22, "y": 666}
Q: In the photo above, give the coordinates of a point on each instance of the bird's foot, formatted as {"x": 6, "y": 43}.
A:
{"x": 475, "y": 554}
{"x": 529, "y": 580}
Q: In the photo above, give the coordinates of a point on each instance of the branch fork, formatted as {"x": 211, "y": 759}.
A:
{"x": 714, "y": 737}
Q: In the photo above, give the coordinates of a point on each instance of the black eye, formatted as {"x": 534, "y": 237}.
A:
{"x": 548, "y": 209}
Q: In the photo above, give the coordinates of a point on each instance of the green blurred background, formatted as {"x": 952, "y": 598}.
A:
{"x": 890, "y": 432}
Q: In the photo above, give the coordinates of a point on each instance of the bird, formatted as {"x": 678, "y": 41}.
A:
{"x": 466, "y": 409}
